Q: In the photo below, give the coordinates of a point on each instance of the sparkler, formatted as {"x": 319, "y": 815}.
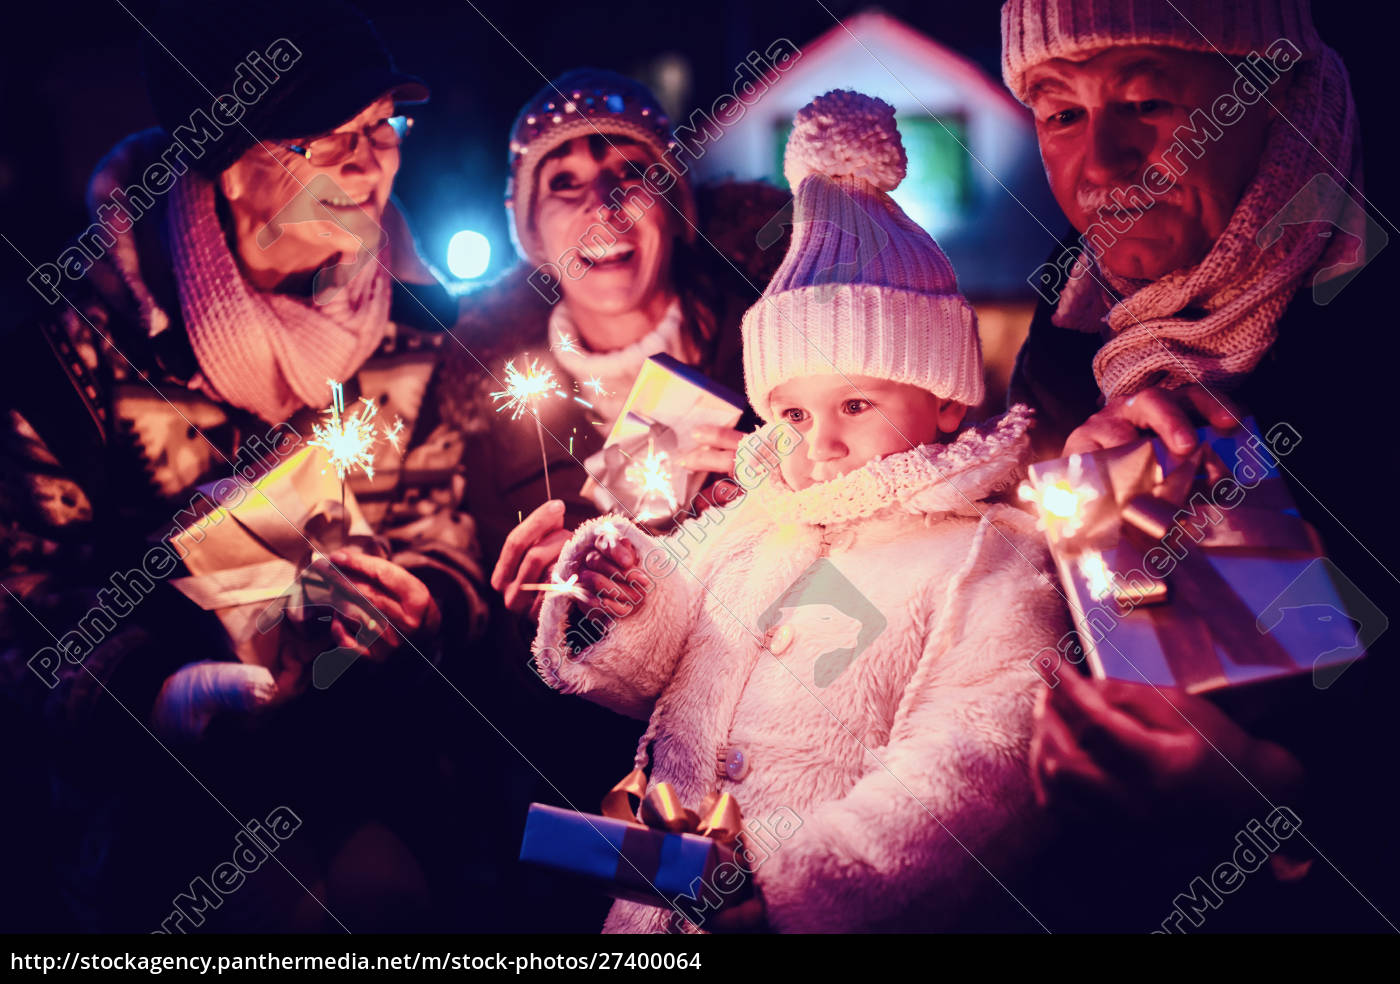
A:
{"x": 1061, "y": 502}
{"x": 608, "y": 534}
{"x": 394, "y": 435}
{"x": 522, "y": 394}
{"x": 349, "y": 441}
{"x": 652, "y": 476}
{"x": 570, "y": 587}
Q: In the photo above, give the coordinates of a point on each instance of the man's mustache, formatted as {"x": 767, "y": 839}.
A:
{"x": 1132, "y": 198}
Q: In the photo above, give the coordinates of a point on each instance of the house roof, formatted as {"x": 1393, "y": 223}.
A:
{"x": 872, "y": 29}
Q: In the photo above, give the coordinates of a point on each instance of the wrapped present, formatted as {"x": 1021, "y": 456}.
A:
{"x": 248, "y": 543}
{"x": 637, "y": 471}
{"x": 1170, "y": 564}
{"x": 663, "y": 855}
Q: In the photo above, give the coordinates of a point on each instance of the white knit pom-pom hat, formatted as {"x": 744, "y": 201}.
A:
{"x": 863, "y": 291}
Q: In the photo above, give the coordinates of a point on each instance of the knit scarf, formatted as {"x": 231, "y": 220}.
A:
{"x": 615, "y": 371}
{"x": 1241, "y": 287}
{"x": 267, "y": 352}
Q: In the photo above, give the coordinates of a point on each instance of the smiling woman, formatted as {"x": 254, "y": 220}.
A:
{"x": 588, "y": 169}
{"x": 633, "y": 286}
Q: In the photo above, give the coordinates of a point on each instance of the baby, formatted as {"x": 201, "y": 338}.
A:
{"x": 845, "y": 646}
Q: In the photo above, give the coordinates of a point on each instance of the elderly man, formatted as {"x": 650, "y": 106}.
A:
{"x": 1207, "y": 155}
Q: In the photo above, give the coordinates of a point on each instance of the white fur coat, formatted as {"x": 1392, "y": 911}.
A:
{"x": 887, "y": 705}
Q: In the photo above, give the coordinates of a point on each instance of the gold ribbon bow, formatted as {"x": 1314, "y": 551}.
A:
{"x": 661, "y": 808}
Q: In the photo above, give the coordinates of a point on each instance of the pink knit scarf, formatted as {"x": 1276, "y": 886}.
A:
{"x": 1242, "y": 288}
{"x": 267, "y": 352}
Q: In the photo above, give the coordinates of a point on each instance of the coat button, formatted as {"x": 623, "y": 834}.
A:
{"x": 736, "y": 765}
{"x": 781, "y": 640}
{"x": 843, "y": 540}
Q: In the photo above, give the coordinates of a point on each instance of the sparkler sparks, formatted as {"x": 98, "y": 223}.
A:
{"x": 522, "y": 394}
{"x": 523, "y": 389}
{"x": 571, "y": 588}
{"x": 652, "y": 476}
{"x": 1095, "y": 572}
{"x": 349, "y": 440}
{"x": 1061, "y": 501}
{"x": 608, "y": 534}
{"x": 566, "y": 344}
{"x": 394, "y": 435}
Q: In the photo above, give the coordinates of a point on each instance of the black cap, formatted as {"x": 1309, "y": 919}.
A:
{"x": 298, "y": 68}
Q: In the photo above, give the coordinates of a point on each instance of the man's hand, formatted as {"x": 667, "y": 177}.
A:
{"x": 377, "y": 603}
{"x": 529, "y": 552}
{"x": 1150, "y": 752}
{"x": 612, "y": 580}
{"x": 193, "y": 694}
{"x": 1171, "y": 414}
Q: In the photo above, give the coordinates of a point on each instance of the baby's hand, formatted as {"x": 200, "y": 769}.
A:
{"x": 610, "y": 579}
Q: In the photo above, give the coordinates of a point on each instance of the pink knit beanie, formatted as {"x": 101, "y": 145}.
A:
{"x": 863, "y": 291}
{"x": 1034, "y": 31}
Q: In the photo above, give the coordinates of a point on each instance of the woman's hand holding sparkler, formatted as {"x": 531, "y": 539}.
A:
{"x": 529, "y": 552}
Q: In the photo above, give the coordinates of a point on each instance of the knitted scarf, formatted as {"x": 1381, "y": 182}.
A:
{"x": 267, "y": 352}
{"x": 1241, "y": 287}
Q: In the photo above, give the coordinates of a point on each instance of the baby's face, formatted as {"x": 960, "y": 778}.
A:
{"x": 847, "y": 420}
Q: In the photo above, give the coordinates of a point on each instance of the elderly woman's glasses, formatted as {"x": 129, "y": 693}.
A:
{"x": 335, "y": 148}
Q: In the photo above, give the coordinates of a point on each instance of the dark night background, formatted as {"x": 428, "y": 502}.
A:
{"x": 71, "y": 87}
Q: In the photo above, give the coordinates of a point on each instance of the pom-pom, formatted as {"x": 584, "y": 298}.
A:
{"x": 846, "y": 133}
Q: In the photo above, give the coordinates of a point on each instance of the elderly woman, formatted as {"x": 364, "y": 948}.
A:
{"x": 199, "y": 345}
{"x": 1208, "y": 156}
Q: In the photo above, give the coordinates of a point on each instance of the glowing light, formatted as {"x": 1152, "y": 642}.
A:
{"x": 394, "y": 435}
{"x": 1062, "y": 501}
{"x": 570, "y": 588}
{"x": 607, "y": 533}
{"x": 596, "y": 384}
{"x": 348, "y": 440}
{"x": 1096, "y": 574}
{"x": 524, "y": 388}
{"x": 566, "y": 343}
{"x": 652, "y": 476}
{"x": 468, "y": 254}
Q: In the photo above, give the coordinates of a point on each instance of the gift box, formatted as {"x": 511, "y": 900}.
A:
{"x": 637, "y": 471}
{"x": 250, "y": 540}
{"x": 1192, "y": 571}
{"x": 667, "y": 858}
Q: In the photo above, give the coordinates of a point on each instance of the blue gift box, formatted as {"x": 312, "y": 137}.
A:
{"x": 626, "y": 860}
{"x": 1217, "y": 584}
